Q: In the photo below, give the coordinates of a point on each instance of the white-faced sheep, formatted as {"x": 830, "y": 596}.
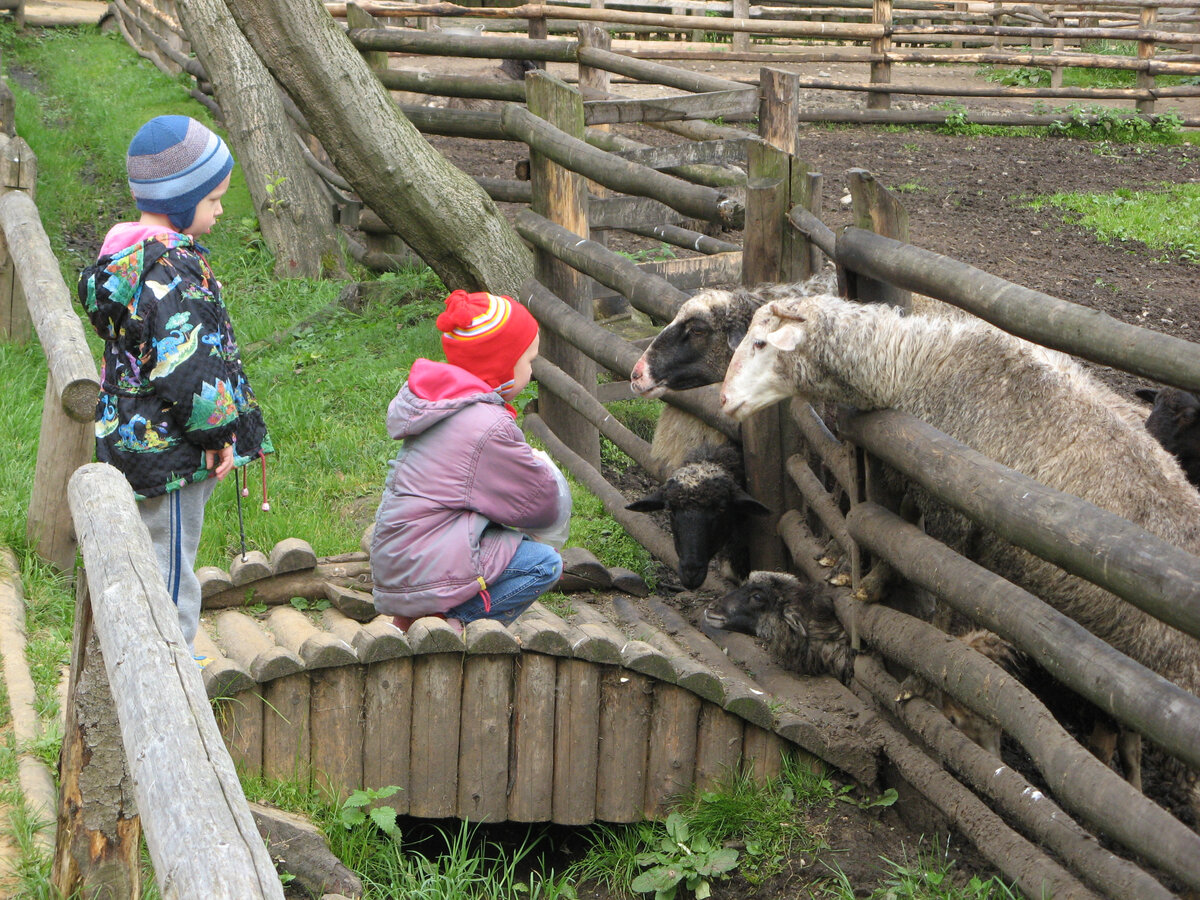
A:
{"x": 1174, "y": 422}
{"x": 695, "y": 348}
{"x": 795, "y": 618}
{"x": 1001, "y": 396}
{"x": 708, "y": 505}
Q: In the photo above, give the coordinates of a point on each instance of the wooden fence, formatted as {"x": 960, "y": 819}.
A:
{"x": 824, "y": 470}
{"x": 34, "y": 298}
{"x": 141, "y": 751}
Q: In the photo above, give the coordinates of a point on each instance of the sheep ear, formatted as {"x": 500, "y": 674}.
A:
{"x": 747, "y": 505}
{"x": 785, "y": 311}
{"x": 735, "y": 337}
{"x": 1147, "y": 394}
{"x": 786, "y": 338}
{"x": 649, "y": 503}
{"x": 792, "y": 617}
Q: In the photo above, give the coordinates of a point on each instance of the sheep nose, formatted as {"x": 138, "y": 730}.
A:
{"x": 724, "y": 399}
{"x": 638, "y": 371}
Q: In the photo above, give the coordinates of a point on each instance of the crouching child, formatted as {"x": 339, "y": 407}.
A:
{"x": 446, "y": 540}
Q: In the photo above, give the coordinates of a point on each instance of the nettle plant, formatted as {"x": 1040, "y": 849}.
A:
{"x": 681, "y": 859}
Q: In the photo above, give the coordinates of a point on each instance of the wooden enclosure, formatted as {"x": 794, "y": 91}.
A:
{"x": 835, "y": 524}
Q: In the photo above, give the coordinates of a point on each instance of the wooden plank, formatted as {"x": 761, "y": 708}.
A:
{"x": 718, "y": 746}
{"x": 626, "y": 702}
{"x": 671, "y": 768}
{"x": 241, "y": 721}
{"x": 691, "y": 153}
{"x": 693, "y": 272}
{"x": 287, "y": 729}
{"x": 531, "y": 770}
{"x": 436, "y": 704}
{"x": 617, "y": 212}
{"x": 484, "y": 738}
{"x": 761, "y": 751}
{"x": 576, "y": 735}
{"x": 387, "y": 735}
{"x": 735, "y": 106}
{"x": 337, "y": 729}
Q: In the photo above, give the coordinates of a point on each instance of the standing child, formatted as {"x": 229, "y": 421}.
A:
{"x": 175, "y": 409}
{"x": 445, "y": 539}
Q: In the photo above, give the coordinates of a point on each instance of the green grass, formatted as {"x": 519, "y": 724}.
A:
{"x": 1167, "y": 220}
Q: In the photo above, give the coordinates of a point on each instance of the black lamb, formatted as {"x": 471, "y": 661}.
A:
{"x": 708, "y": 505}
{"x": 795, "y": 618}
{"x": 1175, "y": 423}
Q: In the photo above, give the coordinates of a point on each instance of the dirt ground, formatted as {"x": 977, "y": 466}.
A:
{"x": 967, "y": 198}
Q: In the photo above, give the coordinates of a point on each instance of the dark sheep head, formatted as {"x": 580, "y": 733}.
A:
{"x": 707, "y": 504}
{"x": 796, "y": 619}
{"x": 696, "y": 347}
{"x": 1175, "y": 423}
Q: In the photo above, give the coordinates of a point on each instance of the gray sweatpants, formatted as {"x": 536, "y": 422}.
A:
{"x": 175, "y": 521}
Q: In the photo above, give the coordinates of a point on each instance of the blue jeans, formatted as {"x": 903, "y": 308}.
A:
{"x": 534, "y": 569}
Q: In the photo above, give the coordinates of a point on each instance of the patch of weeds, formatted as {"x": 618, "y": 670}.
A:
{"x": 650, "y": 254}
{"x": 682, "y": 859}
{"x": 1167, "y": 219}
{"x": 909, "y": 187}
{"x": 1019, "y": 76}
{"x": 928, "y": 875}
{"x": 1121, "y": 126}
{"x": 558, "y": 603}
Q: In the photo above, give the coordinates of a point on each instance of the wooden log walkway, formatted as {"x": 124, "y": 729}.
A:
{"x": 597, "y": 714}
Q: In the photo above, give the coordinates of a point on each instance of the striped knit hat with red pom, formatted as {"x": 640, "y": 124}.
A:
{"x": 486, "y": 335}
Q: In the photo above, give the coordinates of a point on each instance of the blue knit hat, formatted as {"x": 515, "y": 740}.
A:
{"x": 174, "y": 162}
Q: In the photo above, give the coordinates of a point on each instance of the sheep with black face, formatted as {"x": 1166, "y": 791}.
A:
{"x": 708, "y": 505}
{"x": 795, "y": 618}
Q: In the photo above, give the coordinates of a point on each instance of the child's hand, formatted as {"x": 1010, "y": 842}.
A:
{"x": 221, "y": 460}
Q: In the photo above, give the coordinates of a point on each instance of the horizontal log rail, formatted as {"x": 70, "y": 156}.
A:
{"x": 615, "y": 354}
{"x": 1078, "y": 330}
{"x": 1082, "y": 538}
{"x": 172, "y": 747}
{"x": 648, "y": 293}
{"x": 639, "y": 526}
{"x": 734, "y": 106}
{"x": 550, "y": 377}
{"x": 1078, "y": 779}
{"x": 694, "y": 200}
{"x": 1118, "y": 685}
{"x": 60, "y": 332}
{"x": 1043, "y": 821}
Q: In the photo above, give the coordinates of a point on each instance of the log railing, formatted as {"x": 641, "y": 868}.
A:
{"x": 35, "y": 298}
{"x": 141, "y": 743}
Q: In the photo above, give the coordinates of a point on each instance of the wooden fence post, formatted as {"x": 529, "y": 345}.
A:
{"x": 18, "y": 172}
{"x": 560, "y": 195}
{"x": 98, "y": 849}
{"x": 876, "y": 209}
{"x": 740, "y": 40}
{"x": 1145, "y": 52}
{"x": 771, "y": 254}
{"x": 881, "y": 69}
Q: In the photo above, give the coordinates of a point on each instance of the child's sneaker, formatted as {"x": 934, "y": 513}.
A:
{"x": 202, "y": 661}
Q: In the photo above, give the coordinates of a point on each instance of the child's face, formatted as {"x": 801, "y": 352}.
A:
{"x": 523, "y": 370}
{"x": 208, "y": 209}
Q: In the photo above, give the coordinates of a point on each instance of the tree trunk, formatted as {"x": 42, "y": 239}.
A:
{"x": 294, "y": 210}
{"x": 452, "y": 224}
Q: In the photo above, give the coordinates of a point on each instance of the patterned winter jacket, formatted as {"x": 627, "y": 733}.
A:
{"x": 172, "y": 384}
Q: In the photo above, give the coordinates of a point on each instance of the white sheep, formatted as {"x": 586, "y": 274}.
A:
{"x": 1028, "y": 408}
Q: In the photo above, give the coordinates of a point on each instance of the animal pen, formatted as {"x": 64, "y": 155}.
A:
{"x": 551, "y": 719}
